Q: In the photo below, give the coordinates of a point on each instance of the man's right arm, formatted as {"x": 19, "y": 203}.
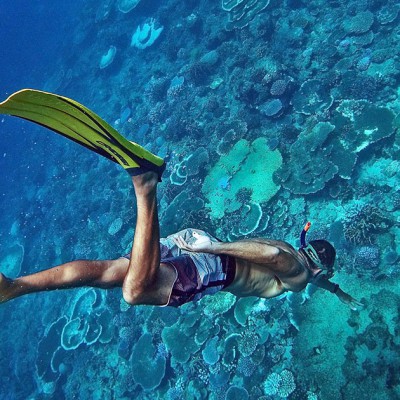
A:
{"x": 260, "y": 251}
{"x": 253, "y": 250}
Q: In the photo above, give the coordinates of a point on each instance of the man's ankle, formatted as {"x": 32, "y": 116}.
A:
{"x": 145, "y": 184}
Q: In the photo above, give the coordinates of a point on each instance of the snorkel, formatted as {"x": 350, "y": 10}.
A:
{"x": 310, "y": 252}
{"x": 303, "y": 235}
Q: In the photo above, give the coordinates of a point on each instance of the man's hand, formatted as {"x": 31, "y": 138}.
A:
{"x": 202, "y": 244}
{"x": 347, "y": 299}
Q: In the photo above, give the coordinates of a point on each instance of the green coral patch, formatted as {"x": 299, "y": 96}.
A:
{"x": 246, "y": 166}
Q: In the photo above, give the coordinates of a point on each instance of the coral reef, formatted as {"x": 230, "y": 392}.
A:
{"x": 148, "y": 367}
{"x": 269, "y": 114}
{"x": 362, "y": 222}
{"x": 241, "y": 12}
{"x": 146, "y": 34}
{"x": 108, "y": 58}
{"x": 127, "y": 5}
{"x": 242, "y": 167}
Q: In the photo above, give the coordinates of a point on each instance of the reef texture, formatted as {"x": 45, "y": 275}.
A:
{"x": 271, "y": 113}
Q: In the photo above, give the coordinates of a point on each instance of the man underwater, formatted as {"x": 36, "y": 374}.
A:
{"x": 170, "y": 271}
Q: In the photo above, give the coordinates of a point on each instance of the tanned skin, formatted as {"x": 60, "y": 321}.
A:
{"x": 264, "y": 268}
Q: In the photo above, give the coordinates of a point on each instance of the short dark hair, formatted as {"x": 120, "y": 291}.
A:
{"x": 326, "y": 252}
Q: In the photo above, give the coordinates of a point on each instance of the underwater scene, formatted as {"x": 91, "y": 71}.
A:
{"x": 269, "y": 114}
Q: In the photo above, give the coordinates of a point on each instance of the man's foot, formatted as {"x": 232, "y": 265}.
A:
{"x": 5, "y": 288}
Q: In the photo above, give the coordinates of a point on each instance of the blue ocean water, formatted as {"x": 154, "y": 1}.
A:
{"x": 271, "y": 114}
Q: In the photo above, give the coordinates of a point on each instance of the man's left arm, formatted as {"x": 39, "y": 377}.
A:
{"x": 334, "y": 288}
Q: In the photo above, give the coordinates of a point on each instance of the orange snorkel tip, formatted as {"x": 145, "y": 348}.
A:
{"x": 303, "y": 234}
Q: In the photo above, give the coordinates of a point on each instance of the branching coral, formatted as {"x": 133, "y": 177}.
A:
{"x": 362, "y": 221}
{"x": 281, "y": 384}
{"x": 248, "y": 343}
{"x": 366, "y": 260}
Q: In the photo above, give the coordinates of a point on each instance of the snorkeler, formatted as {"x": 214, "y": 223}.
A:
{"x": 170, "y": 271}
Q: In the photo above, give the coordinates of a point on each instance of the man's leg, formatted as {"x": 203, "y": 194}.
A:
{"x": 145, "y": 281}
{"x": 102, "y": 274}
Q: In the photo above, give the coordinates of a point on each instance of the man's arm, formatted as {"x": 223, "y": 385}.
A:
{"x": 261, "y": 251}
{"x": 344, "y": 297}
{"x": 253, "y": 250}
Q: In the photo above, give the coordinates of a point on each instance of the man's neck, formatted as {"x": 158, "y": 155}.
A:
{"x": 308, "y": 265}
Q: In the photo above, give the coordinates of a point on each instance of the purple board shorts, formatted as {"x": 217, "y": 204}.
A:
{"x": 197, "y": 274}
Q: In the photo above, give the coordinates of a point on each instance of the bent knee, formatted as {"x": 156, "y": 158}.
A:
{"x": 138, "y": 291}
{"x": 132, "y": 292}
{"x": 130, "y": 296}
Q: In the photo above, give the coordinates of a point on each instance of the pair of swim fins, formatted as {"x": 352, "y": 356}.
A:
{"x": 76, "y": 122}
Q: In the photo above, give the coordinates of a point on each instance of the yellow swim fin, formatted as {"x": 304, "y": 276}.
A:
{"x": 76, "y": 122}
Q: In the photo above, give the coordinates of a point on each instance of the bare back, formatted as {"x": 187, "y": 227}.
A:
{"x": 258, "y": 279}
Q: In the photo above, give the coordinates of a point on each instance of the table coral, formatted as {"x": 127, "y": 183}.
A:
{"x": 108, "y": 58}
{"x": 242, "y": 12}
{"x": 47, "y": 346}
{"x": 73, "y": 334}
{"x": 127, "y": 5}
{"x": 218, "y": 304}
{"x": 146, "y": 34}
{"x": 147, "y": 370}
{"x": 308, "y": 168}
{"x": 182, "y": 205}
{"x": 179, "y": 342}
{"x": 236, "y": 393}
{"x": 360, "y": 23}
{"x": 372, "y": 351}
{"x": 115, "y": 226}
{"x": 312, "y": 97}
{"x": 243, "y": 309}
{"x": 334, "y": 147}
{"x": 189, "y": 166}
{"x": 11, "y": 263}
{"x": 250, "y": 218}
{"x": 271, "y": 108}
{"x": 210, "y": 351}
{"x": 249, "y": 165}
